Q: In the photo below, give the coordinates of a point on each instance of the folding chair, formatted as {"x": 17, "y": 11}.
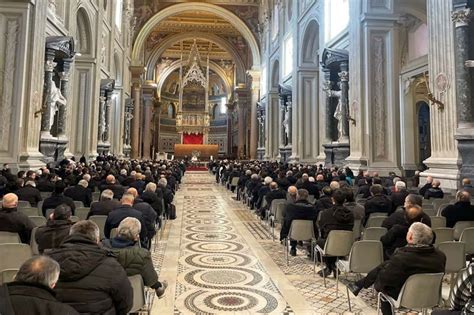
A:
{"x": 277, "y": 216}
{"x": 38, "y": 220}
{"x": 78, "y": 204}
{"x": 82, "y": 212}
{"x": 375, "y": 221}
{"x": 443, "y": 235}
{"x": 455, "y": 258}
{"x": 29, "y": 212}
{"x": 357, "y": 229}
{"x": 23, "y": 204}
{"x": 74, "y": 219}
{"x": 300, "y": 230}
{"x": 100, "y": 221}
{"x": 373, "y": 233}
{"x": 420, "y": 291}
{"x": 437, "y": 222}
{"x": 460, "y": 226}
{"x": 467, "y": 237}
{"x": 14, "y": 255}
{"x": 9, "y": 238}
{"x": 338, "y": 244}
{"x": 7, "y": 275}
{"x": 33, "y": 243}
{"x": 364, "y": 256}
{"x": 142, "y": 298}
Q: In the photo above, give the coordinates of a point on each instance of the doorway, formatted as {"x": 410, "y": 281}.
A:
{"x": 424, "y": 136}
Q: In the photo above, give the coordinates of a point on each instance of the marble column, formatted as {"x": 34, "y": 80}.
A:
{"x": 156, "y": 128}
{"x": 230, "y": 112}
{"x": 463, "y": 18}
{"x": 62, "y": 110}
{"x": 136, "y": 92}
{"x": 284, "y": 129}
{"x": 107, "y": 116}
{"x": 147, "y": 115}
{"x": 254, "y": 98}
{"x": 101, "y": 129}
{"x": 328, "y": 113}
{"x": 289, "y": 108}
{"x": 344, "y": 75}
{"x": 46, "y": 109}
{"x": 241, "y": 131}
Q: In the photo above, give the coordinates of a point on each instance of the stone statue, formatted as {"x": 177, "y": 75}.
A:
{"x": 338, "y": 112}
{"x": 286, "y": 122}
{"x": 56, "y": 98}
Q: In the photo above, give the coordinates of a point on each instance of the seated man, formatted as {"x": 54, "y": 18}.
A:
{"x": 13, "y": 221}
{"x": 56, "y": 229}
{"x": 435, "y": 191}
{"x": 149, "y": 214}
{"x": 58, "y": 198}
{"x": 135, "y": 260}
{"x": 419, "y": 256}
{"x": 106, "y": 204}
{"x": 126, "y": 209}
{"x": 357, "y": 209}
{"x": 325, "y": 201}
{"x": 29, "y": 193}
{"x": 398, "y": 217}
{"x": 32, "y": 290}
{"x": 336, "y": 218}
{"x": 80, "y": 192}
{"x": 462, "y": 210}
{"x": 300, "y": 210}
{"x": 399, "y": 195}
{"x": 274, "y": 193}
{"x": 91, "y": 281}
{"x": 467, "y": 186}
{"x": 292, "y": 194}
{"x": 110, "y": 183}
{"x": 263, "y": 191}
{"x": 462, "y": 298}
{"x": 378, "y": 202}
{"x": 426, "y": 186}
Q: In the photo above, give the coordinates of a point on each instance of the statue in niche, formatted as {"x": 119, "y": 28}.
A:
{"x": 286, "y": 125}
{"x": 338, "y": 111}
{"x": 57, "y": 100}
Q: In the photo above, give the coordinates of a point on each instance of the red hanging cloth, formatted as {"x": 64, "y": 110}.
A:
{"x": 193, "y": 138}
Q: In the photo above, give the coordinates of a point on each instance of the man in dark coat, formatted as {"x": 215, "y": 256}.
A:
{"x": 32, "y": 290}
{"x": 398, "y": 217}
{"x": 13, "y": 221}
{"x": 134, "y": 259}
{"x": 274, "y": 193}
{"x": 91, "y": 280}
{"x": 302, "y": 209}
{"x": 336, "y": 218}
{"x": 150, "y": 196}
{"x": 378, "y": 202}
{"x": 56, "y": 229}
{"x": 399, "y": 195}
{"x": 426, "y": 186}
{"x": 309, "y": 186}
{"x": 125, "y": 210}
{"x": 106, "y": 204}
{"x": 435, "y": 191}
{"x": 325, "y": 201}
{"x": 419, "y": 256}
{"x": 80, "y": 192}
{"x": 149, "y": 215}
{"x": 364, "y": 188}
{"x": 462, "y": 210}
{"x": 111, "y": 184}
{"x": 58, "y": 198}
{"x": 29, "y": 193}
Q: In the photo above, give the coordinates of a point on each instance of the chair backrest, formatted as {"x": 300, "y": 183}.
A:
{"x": 374, "y": 233}
{"x": 96, "y": 195}
{"x": 29, "y": 211}
{"x": 421, "y": 291}
{"x": 100, "y": 221}
{"x": 235, "y": 181}
{"x": 78, "y": 204}
{"x": 311, "y": 199}
{"x": 138, "y": 293}
{"x": 48, "y": 213}
{"x": 301, "y": 230}
{"x": 38, "y": 220}
{"x": 375, "y": 221}
{"x": 113, "y": 232}
{"x": 33, "y": 243}
{"x": 460, "y": 226}
{"x": 443, "y": 235}
{"x": 357, "y": 229}
{"x": 45, "y": 194}
{"x": 9, "y": 237}
{"x": 7, "y": 275}
{"x": 365, "y": 256}
{"x": 455, "y": 255}
{"x": 437, "y": 222}
{"x": 82, "y": 212}
{"x": 280, "y": 207}
{"x": 441, "y": 208}
{"x": 14, "y": 255}
{"x": 467, "y": 237}
{"x": 23, "y": 204}
{"x": 275, "y": 204}
{"x": 74, "y": 218}
{"x": 339, "y": 243}
{"x": 378, "y": 214}
{"x": 40, "y": 205}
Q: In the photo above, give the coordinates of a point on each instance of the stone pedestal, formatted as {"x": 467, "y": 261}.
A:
{"x": 285, "y": 154}
{"x": 53, "y": 149}
{"x": 336, "y": 153}
{"x": 103, "y": 148}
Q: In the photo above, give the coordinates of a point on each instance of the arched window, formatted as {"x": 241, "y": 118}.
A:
{"x": 336, "y": 17}
{"x": 311, "y": 43}
{"x": 288, "y": 56}
{"x": 83, "y": 43}
{"x": 171, "y": 113}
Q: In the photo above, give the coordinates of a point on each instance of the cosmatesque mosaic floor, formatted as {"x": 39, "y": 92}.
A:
{"x": 219, "y": 258}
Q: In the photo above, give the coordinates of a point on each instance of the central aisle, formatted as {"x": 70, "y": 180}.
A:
{"x": 213, "y": 259}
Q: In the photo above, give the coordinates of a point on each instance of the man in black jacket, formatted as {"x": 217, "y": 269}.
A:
{"x": 91, "y": 280}
{"x": 80, "y": 192}
{"x": 309, "y": 186}
{"x": 58, "y": 198}
{"x": 398, "y": 217}
{"x": 378, "y": 202}
{"x": 13, "y": 221}
{"x": 462, "y": 210}
{"x": 300, "y": 210}
{"x": 106, "y": 204}
{"x": 399, "y": 195}
{"x": 426, "y": 186}
{"x": 32, "y": 291}
{"x": 435, "y": 191}
{"x": 125, "y": 210}
{"x": 149, "y": 215}
{"x": 111, "y": 184}
{"x": 336, "y": 218}
{"x": 419, "y": 256}
{"x": 29, "y": 193}
{"x": 56, "y": 229}
{"x": 325, "y": 201}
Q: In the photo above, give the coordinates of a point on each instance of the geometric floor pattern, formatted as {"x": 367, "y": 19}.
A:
{"x": 218, "y": 258}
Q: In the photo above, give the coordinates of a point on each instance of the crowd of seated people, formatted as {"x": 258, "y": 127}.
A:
{"x": 339, "y": 199}
{"x": 80, "y": 272}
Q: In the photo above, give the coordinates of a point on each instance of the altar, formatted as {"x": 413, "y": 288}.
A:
{"x": 202, "y": 152}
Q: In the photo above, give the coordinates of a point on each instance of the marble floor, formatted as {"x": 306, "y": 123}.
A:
{"x": 218, "y": 258}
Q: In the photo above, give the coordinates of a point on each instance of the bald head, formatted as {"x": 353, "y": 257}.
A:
{"x": 39, "y": 270}
{"x": 436, "y": 183}
{"x": 292, "y": 190}
{"x": 466, "y": 181}
{"x": 463, "y": 196}
{"x": 110, "y": 179}
{"x": 10, "y": 201}
{"x": 413, "y": 213}
{"x": 273, "y": 186}
{"x": 429, "y": 179}
{"x": 127, "y": 199}
{"x": 132, "y": 191}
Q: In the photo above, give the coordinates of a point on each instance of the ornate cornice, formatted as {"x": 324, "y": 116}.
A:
{"x": 462, "y": 17}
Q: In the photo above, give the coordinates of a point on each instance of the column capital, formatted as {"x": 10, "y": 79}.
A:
{"x": 462, "y": 17}
{"x": 137, "y": 74}
{"x": 255, "y": 75}
{"x": 344, "y": 75}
